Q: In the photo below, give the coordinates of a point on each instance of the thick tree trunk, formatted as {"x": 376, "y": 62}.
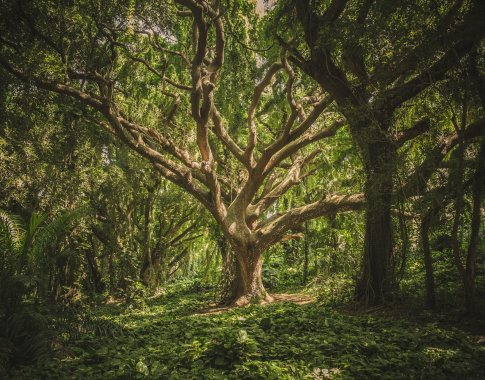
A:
{"x": 228, "y": 282}
{"x": 247, "y": 284}
{"x": 376, "y": 280}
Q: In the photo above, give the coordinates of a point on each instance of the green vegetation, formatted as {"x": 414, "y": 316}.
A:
{"x": 280, "y": 189}
{"x": 170, "y": 339}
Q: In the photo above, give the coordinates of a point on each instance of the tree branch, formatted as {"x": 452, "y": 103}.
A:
{"x": 272, "y": 230}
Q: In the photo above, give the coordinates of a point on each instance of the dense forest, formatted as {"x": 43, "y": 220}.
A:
{"x": 241, "y": 189}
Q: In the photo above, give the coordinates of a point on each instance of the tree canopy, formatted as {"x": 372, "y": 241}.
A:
{"x": 241, "y": 142}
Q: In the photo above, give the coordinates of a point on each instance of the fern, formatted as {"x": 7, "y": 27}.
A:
{"x": 35, "y": 222}
{"x": 45, "y": 249}
{"x": 24, "y": 334}
{"x": 11, "y": 231}
{"x": 11, "y": 237}
{"x": 25, "y": 258}
{"x": 6, "y": 351}
{"x": 47, "y": 234}
{"x": 76, "y": 323}
{"x": 24, "y": 338}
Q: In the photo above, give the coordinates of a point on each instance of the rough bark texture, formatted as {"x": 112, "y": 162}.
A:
{"x": 147, "y": 267}
{"x": 478, "y": 184}
{"x": 248, "y": 281}
{"x": 470, "y": 271}
{"x": 430, "y": 300}
{"x": 375, "y": 283}
{"x": 375, "y": 139}
{"x": 228, "y": 281}
{"x": 95, "y": 274}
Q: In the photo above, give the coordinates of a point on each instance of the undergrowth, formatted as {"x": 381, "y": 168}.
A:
{"x": 169, "y": 339}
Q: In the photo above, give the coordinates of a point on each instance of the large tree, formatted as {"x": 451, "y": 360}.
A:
{"x": 137, "y": 69}
{"x": 374, "y": 57}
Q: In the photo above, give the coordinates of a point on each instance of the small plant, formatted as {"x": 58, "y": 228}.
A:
{"x": 332, "y": 288}
{"x": 25, "y": 338}
{"x": 135, "y": 294}
{"x": 270, "y": 277}
{"x": 263, "y": 370}
{"x": 229, "y": 348}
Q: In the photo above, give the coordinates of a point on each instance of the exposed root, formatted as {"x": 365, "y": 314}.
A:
{"x": 245, "y": 300}
{"x": 297, "y": 298}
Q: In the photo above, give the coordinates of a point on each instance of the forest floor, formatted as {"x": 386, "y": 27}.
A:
{"x": 179, "y": 335}
{"x": 299, "y": 298}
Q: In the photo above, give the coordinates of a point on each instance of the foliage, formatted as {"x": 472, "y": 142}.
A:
{"x": 113, "y": 113}
{"x": 226, "y": 349}
{"x": 25, "y": 338}
{"x": 26, "y": 263}
{"x": 171, "y": 340}
{"x": 333, "y": 289}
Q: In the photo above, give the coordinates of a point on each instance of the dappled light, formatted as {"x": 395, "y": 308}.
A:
{"x": 242, "y": 189}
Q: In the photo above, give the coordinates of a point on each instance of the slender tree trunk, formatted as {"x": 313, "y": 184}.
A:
{"x": 478, "y": 184}
{"x": 147, "y": 269}
{"x": 306, "y": 252}
{"x": 466, "y": 271}
{"x": 376, "y": 280}
{"x": 471, "y": 259}
{"x": 428, "y": 260}
{"x": 96, "y": 277}
{"x": 111, "y": 271}
{"x": 334, "y": 245}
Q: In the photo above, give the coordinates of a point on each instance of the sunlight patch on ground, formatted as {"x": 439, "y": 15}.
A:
{"x": 296, "y": 298}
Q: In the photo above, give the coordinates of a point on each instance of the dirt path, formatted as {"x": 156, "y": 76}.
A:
{"x": 296, "y": 298}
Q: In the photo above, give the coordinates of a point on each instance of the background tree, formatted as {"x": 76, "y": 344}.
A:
{"x": 373, "y": 58}
{"x": 265, "y": 167}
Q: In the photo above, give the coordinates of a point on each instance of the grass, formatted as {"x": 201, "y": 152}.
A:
{"x": 169, "y": 338}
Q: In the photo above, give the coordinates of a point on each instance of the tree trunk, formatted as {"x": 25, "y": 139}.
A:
{"x": 334, "y": 245}
{"x": 478, "y": 182}
{"x": 95, "y": 274}
{"x": 477, "y": 193}
{"x": 247, "y": 285}
{"x": 228, "y": 268}
{"x": 144, "y": 275}
{"x": 375, "y": 282}
{"x": 428, "y": 260}
{"x": 306, "y": 252}
{"x": 147, "y": 268}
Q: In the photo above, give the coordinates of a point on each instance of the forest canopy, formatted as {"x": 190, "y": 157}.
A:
{"x": 336, "y": 147}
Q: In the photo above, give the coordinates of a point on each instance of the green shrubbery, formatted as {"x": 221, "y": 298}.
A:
{"x": 169, "y": 339}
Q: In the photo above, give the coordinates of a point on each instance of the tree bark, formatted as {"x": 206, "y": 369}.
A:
{"x": 477, "y": 194}
{"x": 247, "y": 285}
{"x": 148, "y": 270}
{"x": 306, "y": 253}
{"x": 478, "y": 181}
{"x": 96, "y": 278}
{"x": 376, "y": 280}
{"x": 228, "y": 268}
{"x": 430, "y": 299}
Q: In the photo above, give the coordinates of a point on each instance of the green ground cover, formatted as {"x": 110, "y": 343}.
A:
{"x": 168, "y": 338}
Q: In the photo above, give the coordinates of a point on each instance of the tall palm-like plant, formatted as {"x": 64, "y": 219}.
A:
{"x": 11, "y": 242}
{"x": 26, "y": 253}
{"x": 26, "y": 258}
